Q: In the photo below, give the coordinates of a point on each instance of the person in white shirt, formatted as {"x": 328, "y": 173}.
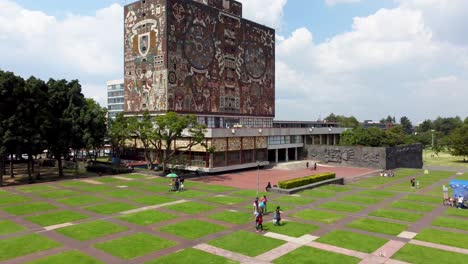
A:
{"x": 460, "y": 202}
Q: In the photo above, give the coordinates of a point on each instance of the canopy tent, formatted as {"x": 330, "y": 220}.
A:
{"x": 460, "y": 188}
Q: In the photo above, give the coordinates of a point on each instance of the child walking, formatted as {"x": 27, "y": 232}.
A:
{"x": 259, "y": 221}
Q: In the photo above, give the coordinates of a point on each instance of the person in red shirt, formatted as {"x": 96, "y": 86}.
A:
{"x": 259, "y": 222}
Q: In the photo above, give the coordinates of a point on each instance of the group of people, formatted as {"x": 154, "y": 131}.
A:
{"x": 458, "y": 203}
{"x": 177, "y": 184}
{"x": 387, "y": 173}
{"x": 260, "y": 209}
{"x": 314, "y": 167}
{"x": 414, "y": 183}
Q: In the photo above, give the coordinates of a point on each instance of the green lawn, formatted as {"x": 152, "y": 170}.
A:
{"x": 412, "y": 206}
{"x": 24, "y": 245}
{"x": 190, "y": 207}
{"x": 155, "y": 188}
{"x": 110, "y": 208}
{"x": 81, "y": 200}
{"x": 345, "y": 207}
{"x": 153, "y": 200}
{"x": 215, "y": 188}
{"x": 107, "y": 179}
{"x": 397, "y": 215}
{"x": 36, "y": 188}
{"x": 424, "y": 198}
{"x": 232, "y": 217}
{"x": 317, "y": 194}
{"x": 378, "y": 180}
{"x": 293, "y": 229}
{"x": 376, "y": 193}
{"x": 443, "y": 159}
{"x": 56, "y": 194}
{"x": 8, "y": 227}
{"x": 250, "y": 193}
{"x": 189, "y": 194}
{"x": 443, "y": 237}
{"x": 28, "y": 208}
{"x": 74, "y": 257}
{"x": 227, "y": 200}
{"x": 334, "y": 188}
{"x": 246, "y": 243}
{"x": 91, "y": 230}
{"x": 147, "y": 217}
{"x": 192, "y": 229}
{"x": 132, "y": 246}
{"x": 137, "y": 184}
{"x": 123, "y": 193}
{"x": 351, "y": 240}
{"x": 308, "y": 255}
{"x": 451, "y": 223}
{"x": 321, "y": 216}
{"x": 11, "y": 199}
{"x": 95, "y": 188}
{"x": 456, "y": 212}
{"x": 192, "y": 256}
{"x": 56, "y": 218}
{"x": 378, "y": 226}
{"x": 425, "y": 255}
{"x": 291, "y": 199}
{"x": 361, "y": 199}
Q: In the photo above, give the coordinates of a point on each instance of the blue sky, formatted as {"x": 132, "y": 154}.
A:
{"x": 367, "y": 58}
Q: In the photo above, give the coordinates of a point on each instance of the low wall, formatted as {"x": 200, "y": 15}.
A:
{"x": 339, "y": 181}
{"x": 385, "y": 158}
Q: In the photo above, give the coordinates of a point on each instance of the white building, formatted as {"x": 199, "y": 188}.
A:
{"x": 115, "y": 98}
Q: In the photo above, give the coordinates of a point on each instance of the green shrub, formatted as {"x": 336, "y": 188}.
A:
{"x": 293, "y": 183}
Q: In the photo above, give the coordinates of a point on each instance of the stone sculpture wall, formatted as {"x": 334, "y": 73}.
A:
{"x": 409, "y": 156}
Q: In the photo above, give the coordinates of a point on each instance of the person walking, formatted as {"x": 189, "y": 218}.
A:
{"x": 460, "y": 202}
{"x": 277, "y": 216}
{"x": 182, "y": 180}
{"x": 259, "y": 221}
{"x": 413, "y": 182}
{"x": 307, "y": 165}
{"x": 255, "y": 206}
{"x": 315, "y": 165}
{"x": 264, "y": 200}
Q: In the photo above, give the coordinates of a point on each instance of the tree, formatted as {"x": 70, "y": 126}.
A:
{"x": 343, "y": 121}
{"x": 406, "y": 125}
{"x": 425, "y": 126}
{"x": 65, "y": 104}
{"x": 447, "y": 125}
{"x": 144, "y": 130}
{"x": 388, "y": 120}
{"x": 458, "y": 142}
{"x": 331, "y": 118}
{"x": 118, "y": 133}
{"x": 93, "y": 118}
{"x": 171, "y": 127}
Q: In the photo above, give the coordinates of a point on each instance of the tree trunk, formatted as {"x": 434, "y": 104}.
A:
{"x": 167, "y": 152}
{"x": 38, "y": 175}
{"x": 2, "y": 172}
{"x": 12, "y": 175}
{"x": 30, "y": 180}
{"x": 60, "y": 166}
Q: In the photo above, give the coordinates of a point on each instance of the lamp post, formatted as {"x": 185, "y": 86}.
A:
{"x": 258, "y": 175}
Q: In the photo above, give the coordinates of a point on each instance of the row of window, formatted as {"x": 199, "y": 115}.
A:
{"x": 280, "y": 140}
{"x": 116, "y": 107}
{"x": 229, "y": 122}
{"x": 115, "y": 87}
{"x": 116, "y": 100}
{"x": 115, "y": 94}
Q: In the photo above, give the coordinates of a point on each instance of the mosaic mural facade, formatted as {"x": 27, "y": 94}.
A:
{"x": 198, "y": 57}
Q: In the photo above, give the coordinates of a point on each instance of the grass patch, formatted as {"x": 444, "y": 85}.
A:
{"x": 293, "y": 229}
{"x": 189, "y": 194}
{"x": 124, "y": 193}
{"x": 135, "y": 176}
{"x": 56, "y": 194}
{"x": 74, "y": 257}
{"x": 227, "y": 200}
{"x": 110, "y": 208}
{"x": 81, "y": 200}
{"x": 24, "y": 245}
{"x": 153, "y": 200}
{"x": 246, "y": 243}
{"x": 28, "y": 208}
{"x": 290, "y": 199}
{"x": 443, "y": 237}
{"x": 190, "y": 207}
{"x": 451, "y": 223}
{"x": 73, "y": 183}
{"x": 155, "y": 188}
{"x": 36, "y": 188}
{"x": 95, "y": 188}
{"x": 344, "y": 207}
{"x": 132, "y": 246}
{"x": 397, "y": 215}
{"x": 423, "y": 198}
{"x": 361, "y": 199}
{"x": 215, "y": 188}
{"x": 147, "y": 217}
{"x": 106, "y": 179}
{"x": 334, "y": 188}
{"x": 377, "y": 193}
{"x": 455, "y": 212}
{"x": 317, "y": 194}
{"x": 232, "y": 217}
{"x": 249, "y": 193}
{"x": 137, "y": 184}
{"x": 321, "y": 216}
{"x": 426, "y": 255}
{"x": 11, "y": 199}
{"x": 192, "y": 229}
{"x": 193, "y": 256}
{"x": 378, "y": 226}
{"x": 306, "y": 255}
{"x": 412, "y": 206}
{"x": 8, "y": 227}
{"x": 354, "y": 241}
{"x": 56, "y": 218}
{"x": 91, "y": 230}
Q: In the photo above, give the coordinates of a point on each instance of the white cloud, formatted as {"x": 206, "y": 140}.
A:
{"x": 267, "y": 12}
{"x": 336, "y": 2}
{"x": 396, "y": 61}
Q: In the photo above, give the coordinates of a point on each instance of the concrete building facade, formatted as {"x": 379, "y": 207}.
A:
{"x": 115, "y": 98}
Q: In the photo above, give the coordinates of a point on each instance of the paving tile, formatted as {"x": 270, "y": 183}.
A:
{"x": 339, "y": 250}
{"x": 438, "y": 246}
{"x": 152, "y": 207}
{"x": 277, "y": 252}
{"x": 52, "y": 227}
{"x": 225, "y": 253}
{"x": 408, "y": 235}
{"x": 92, "y": 182}
{"x": 122, "y": 178}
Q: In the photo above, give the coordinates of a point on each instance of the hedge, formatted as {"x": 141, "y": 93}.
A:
{"x": 293, "y": 183}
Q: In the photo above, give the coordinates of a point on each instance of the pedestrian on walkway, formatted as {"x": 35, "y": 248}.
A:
{"x": 413, "y": 182}
{"x": 315, "y": 165}
{"x": 255, "y": 206}
{"x": 259, "y": 222}
{"x": 264, "y": 200}
{"x": 307, "y": 164}
{"x": 277, "y": 216}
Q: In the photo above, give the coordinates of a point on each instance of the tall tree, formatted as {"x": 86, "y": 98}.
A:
{"x": 93, "y": 118}
{"x": 458, "y": 142}
{"x": 425, "y": 126}
{"x": 406, "y": 125}
{"x": 118, "y": 133}
{"x": 144, "y": 130}
{"x": 447, "y": 125}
